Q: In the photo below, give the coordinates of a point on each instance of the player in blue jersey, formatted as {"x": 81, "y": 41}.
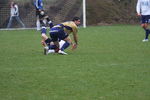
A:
{"x": 42, "y": 20}
{"x": 143, "y": 10}
{"x": 62, "y": 32}
{"x": 39, "y": 7}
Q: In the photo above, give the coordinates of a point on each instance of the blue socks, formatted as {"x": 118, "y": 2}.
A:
{"x": 66, "y": 45}
{"x": 43, "y": 30}
{"x": 147, "y": 33}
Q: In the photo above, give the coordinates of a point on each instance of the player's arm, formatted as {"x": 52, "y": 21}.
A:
{"x": 75, "y": 37}
{"x": 70, "y": 40}
{"x": 138, "y": 8}
{"x": 16, "y": 9}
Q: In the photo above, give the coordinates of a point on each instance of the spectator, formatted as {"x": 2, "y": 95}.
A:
{"x": 14, "y": 14}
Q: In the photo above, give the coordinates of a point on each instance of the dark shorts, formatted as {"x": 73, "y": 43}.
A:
{"x": 38, "y": 14}
{"x": 57, "y": 34}
{"x": 145, "y": 19}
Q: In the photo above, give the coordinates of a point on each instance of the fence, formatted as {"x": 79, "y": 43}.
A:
{"x": 58, "y": 10}
{"x": 99, "y": 12}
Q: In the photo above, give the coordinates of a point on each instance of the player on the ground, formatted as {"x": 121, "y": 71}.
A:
{"x": 143, "y": 10}
{"x": 62, "y": 32}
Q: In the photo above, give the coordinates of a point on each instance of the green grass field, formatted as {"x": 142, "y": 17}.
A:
{"x": 111, "y": 63}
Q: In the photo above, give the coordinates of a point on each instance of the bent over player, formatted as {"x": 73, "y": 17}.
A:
{"x": 62, "y": 32}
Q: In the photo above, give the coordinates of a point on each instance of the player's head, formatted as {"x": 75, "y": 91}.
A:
{"x": 12, "y": 4}
{"x": 76, "y": 20}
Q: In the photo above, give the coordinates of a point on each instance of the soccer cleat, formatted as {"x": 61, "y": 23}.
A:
{"x": 51, "y": 51}
{"x": 45, "y": 50}
{"x": 62, "y": 52}
{"x": 145, "y": 40}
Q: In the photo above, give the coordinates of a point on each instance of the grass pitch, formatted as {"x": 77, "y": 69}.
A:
{"x": 111, "y": 63}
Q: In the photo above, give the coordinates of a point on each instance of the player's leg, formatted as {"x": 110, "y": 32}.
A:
{"x": 61, "y": 43}
{"x": 38, "y": 24}
{"x": 19, "y": 20}
{"x": 45, "y": 40}
{"x": 64, "y": 36}
{"x": 10, "y": 22}
{"x": 144, "y": 25}
{"x": 50, "y": 23}
{"x": 43, "y": 22}
{"x": 147, "y": 31}
{"x": 38, "y": 20}
{"x": 66, "y": 44}
{"x": 54, "y": 45}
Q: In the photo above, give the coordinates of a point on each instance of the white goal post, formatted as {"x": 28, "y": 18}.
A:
{"x": 84, "y": 13}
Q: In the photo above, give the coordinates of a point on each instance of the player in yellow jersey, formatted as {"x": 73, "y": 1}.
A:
{"x": 62, "y": 32}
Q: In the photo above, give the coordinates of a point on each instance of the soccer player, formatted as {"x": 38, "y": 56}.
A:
{"x": 62, "y": 32}
{"x": 143, "y": 10}
{"x": 48, "y": 43}
{"x": 14, "y": 14}
{"x": 39, "y": 7}
{"x": 42, "y": 20}
{"x": 45, "y": 39}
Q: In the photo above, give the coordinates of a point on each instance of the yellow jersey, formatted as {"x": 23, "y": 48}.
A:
{"x": 70, "y": 27}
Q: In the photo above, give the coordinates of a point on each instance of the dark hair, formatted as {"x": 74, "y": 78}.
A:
{"x": 75, "y": 19}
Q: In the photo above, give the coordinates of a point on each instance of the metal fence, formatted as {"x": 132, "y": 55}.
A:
{"x": 58, "y": 11}
{"x": 99, "y": 12}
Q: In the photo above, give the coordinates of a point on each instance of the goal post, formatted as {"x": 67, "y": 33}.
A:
{"x": 84, "y": 13}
